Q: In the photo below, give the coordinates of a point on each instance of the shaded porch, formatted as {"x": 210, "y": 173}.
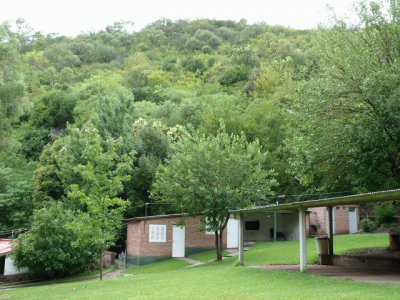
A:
{"x": 301, "y": 207}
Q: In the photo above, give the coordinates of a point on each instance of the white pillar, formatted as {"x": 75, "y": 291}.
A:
{"x": 241, "y": 240}
{"x": 275, "y": 225}
{"x": 302, "y": 238}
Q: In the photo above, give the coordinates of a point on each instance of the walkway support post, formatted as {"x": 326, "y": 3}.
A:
{"x": 241, "y": 240}
{"x": 330, "y": 230}
{"x": 275, "y": 225}
{"x": 302, "y": 239}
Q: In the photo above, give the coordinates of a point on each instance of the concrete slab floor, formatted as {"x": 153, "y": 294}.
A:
{"x": 372, "y": 276}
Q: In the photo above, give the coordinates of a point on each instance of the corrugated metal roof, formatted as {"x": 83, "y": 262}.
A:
{"x": 136, "y": 219}
{"x": 381, "y": 196}
{"x": 5, "y": 246}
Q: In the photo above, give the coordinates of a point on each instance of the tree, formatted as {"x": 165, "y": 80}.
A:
{"x": 106, "y": 103}
{"x": 102, "y": 177}
{"x": 212, "y": 175}
{"x": 346, "y": 129}
{"x": 16, "y": 185}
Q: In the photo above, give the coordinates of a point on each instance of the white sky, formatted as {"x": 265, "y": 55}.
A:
{"x": 71, "y": 17}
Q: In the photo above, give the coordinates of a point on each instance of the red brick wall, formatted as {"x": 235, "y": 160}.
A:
{"x": 341, "y": 219}
{"x": 138, "y": 236}
{"x": 318, "y": 215}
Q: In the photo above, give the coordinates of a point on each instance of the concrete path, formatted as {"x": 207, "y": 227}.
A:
{"x": 372, "y": 276}
{"x": 115, "y": 273}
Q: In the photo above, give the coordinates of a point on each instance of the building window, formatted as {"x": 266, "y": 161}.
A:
{"x": 157, "y": 233}
{"x": 252, "y": 225}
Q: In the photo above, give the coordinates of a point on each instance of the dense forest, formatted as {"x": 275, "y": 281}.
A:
{"x": 323, "y": 104}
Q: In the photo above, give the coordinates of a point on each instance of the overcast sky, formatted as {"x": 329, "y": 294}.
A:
{"x": 71, "y": 17}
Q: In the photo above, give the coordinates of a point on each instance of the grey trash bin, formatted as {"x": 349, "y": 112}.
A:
{"x": 323, "y": 250}
{"x": 322, "y": 245}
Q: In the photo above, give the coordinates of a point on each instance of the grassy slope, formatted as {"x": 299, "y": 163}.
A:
{"x": 163, "y": 266}
{"x": 207, "y": 255}
{"x": 288, "y": 252}
{"x": 225, "y": 280}
{"x": 213, "y": 281}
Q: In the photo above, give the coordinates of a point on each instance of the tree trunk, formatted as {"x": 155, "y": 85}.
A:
{"x": 101, "y": 265}
{"x": 217, "y": 246}
{"x": 221, "y": 245}
{"x": 219, "y": 238}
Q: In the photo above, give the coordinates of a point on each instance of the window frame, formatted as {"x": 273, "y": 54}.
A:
{"x": 161, "y": 237}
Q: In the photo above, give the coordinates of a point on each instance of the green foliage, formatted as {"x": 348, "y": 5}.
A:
{"x": 16, "y": 185}
{"x": 367, "y": 225}
{"x": 194, "y": 65}
{"x": 233, "y": 74}
{"x": 384, "y": 213}
{"x": 351, "y": 93}
{"x": 54, "y": 110}
{"x": 60, "y": 56}
{"x": 87, "y": 174}
{"x": 106, "y": 103}
{"x": 32, "y": 142}
{"x": 49, "y": 175}
{"x": 52, "y": 249}
{"x": 103, "y": 170}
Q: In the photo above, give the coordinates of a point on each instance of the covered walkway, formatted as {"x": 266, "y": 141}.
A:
{"x": 300, "y": 208}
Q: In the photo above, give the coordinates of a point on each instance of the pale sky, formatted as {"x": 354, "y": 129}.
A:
{"x": 71, "y": 17}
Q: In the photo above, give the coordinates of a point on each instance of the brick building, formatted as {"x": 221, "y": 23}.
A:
{"x": 345, "y": 219}
{"x": 156, "y": 238}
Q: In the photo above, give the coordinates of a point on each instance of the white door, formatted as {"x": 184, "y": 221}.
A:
{"x": 352, "y": 220}
{"x": 178, "y": 241}
{"x": 233, "y": 233}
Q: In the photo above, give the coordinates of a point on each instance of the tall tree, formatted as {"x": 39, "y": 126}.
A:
{"x": 211, "y": 175}
{"x": 102, "y": 176}
{"x": 347, "y": 130}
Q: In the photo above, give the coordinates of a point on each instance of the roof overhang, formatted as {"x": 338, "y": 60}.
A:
{"x": 358, "y": 199}
{"x": 137, "y": 219}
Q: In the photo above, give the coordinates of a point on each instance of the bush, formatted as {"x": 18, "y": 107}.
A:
{"x": 50, "y": 249}
{"x": 385, "y": 213}
{"x": 367, "y": 225}
{"x": 233, "y": 75}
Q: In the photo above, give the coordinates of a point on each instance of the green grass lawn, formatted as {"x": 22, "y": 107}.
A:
{"x": 207, "y": 255}
{"x": 226, "y": 280}
{"x": 163, "y": 266}
{"x": 221, "y": 280}
{"x": 287, "y": 252}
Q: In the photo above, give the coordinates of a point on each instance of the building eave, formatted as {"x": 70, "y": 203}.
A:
{"x": 359, "y": 199}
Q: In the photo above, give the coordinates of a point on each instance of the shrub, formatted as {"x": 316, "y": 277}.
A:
{"x": 367, "y": 225}
{"x": 385, "y": 213}
{"x": 50, "y": 249}
{"x": 233, "y": 75}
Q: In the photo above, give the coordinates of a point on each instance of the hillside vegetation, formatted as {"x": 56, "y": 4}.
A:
{"x": 86, "y": 121}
